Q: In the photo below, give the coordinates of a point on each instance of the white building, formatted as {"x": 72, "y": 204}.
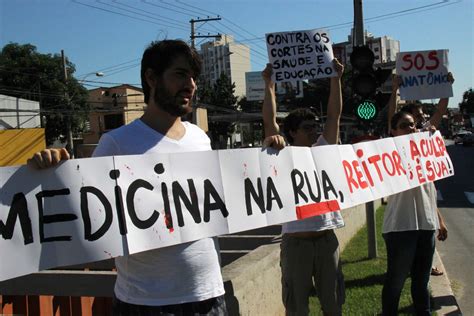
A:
{"x": 19, "y": 113}
{"x": 226, "y": 56}
{"x": 385, "y": 49}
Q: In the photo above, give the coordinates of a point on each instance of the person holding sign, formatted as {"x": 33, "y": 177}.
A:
{"x": 424, "y": 74}
{"x": 309, "y": 248}
{"x": 410, "y": 221}
{"x": 416, "y": 109}
{"x": 184, "y": 279}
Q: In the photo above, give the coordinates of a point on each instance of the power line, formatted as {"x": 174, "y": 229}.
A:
{"x": 189, "y": 5}
{"x": 182, "y": 8}
{"x": 116, "y": 71}
{"x": 122, "y": 14}
{"x": 114, "y": 83}
{"x": 166, "y": 8}
{"x": 378, "y": 18}
{"x": 111, "y": 67}
{"x": 178, "y": 24}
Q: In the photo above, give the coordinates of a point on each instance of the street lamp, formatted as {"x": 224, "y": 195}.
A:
{"x": 97, "y": 74}
{"x": 70, "y": 141}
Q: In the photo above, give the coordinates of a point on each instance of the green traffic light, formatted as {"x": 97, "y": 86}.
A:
{"x": 366, "y": 110}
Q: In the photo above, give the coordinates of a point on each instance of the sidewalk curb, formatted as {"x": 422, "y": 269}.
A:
{"x": 443, "y": 299}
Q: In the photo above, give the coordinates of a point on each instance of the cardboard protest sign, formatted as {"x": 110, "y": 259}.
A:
{"x": 424, "y": 75}
{"x": 92, "y": 209}
{"x": 300, "y": 55}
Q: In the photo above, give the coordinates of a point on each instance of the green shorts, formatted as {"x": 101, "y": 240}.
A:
{"x": 308, "y": 263}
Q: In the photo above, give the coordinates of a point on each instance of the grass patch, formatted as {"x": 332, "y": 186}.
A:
{"x": 364, "y": 277}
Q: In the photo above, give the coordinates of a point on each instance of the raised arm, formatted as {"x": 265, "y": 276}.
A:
{"x": 331, "y": 128}
{"x": 269, "y": 103}
{"x": 270, "y": 125}
{"x": 392, "y": 102}
{"x": 435, "y": 120}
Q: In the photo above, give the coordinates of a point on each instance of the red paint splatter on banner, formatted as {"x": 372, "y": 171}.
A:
{"x": 275, "y": 171}
{"x": 168, "y": 222}
{"x": 315, "y": 209}
{"x": 245, "y": 170}
{"x": 129, "y": 169}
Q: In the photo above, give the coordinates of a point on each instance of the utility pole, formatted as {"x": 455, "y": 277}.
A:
{"x": 359, "y": 40}
{"x": 200, "y": 114}
{"x": 70, "y": 141}
{"x": 359, "y": 37}
{"x": 193, "y": 31}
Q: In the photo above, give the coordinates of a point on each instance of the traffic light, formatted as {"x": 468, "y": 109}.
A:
{"x": 366, "y": 110}
{"x": 365, "y": 82}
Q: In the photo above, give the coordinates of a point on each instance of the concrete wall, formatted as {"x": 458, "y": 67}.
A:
{"x": 252, "y": 283}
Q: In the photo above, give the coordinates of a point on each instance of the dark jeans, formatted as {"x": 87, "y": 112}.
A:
{"x": 211, "y": 307}
{"x": 409, "y": 252}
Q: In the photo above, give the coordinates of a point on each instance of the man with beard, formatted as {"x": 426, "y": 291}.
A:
{"x": 186, "y": 278}
{"x": 179, "y": 280}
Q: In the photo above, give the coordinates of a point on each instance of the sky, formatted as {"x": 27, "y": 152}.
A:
{"x": 109, "y": 36}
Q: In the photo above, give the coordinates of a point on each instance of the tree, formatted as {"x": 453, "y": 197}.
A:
{"x": 467, "y": 104}
{"x": 247, "y": 106}
{"x": 220, "y": 98}
{"x": 26, "y": 73}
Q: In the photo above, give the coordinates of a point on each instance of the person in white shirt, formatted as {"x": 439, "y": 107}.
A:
{"x": 421, "y": 124}
{"x": 410, "y": 221}
{"x": 309, "y": 249}
{"x": 178, "y": 280}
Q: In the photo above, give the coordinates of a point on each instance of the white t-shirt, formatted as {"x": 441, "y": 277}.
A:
{"x": 183, "y": 273}
{"x": 414, "y": 209}
{"x": 322, "y": 222}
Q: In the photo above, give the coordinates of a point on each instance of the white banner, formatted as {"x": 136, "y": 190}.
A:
{"x": 300, "y": 55}
{"x": 92, "y": 209}
{"x": 424, "y": 75}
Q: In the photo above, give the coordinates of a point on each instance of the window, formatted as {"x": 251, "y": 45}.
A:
{"x": 112, "y": 121}
{"x": 376, "y": 49}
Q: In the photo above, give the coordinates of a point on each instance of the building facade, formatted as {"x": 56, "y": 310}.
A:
{"x": 226, "y": 56}
{"x": 385, "y": 49}
{"x": 111, "y": 108}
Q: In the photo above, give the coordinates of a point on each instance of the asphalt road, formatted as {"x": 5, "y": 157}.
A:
{"x": 453, "y": 201}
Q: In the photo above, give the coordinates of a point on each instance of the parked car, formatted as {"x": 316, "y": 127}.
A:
{"x": 459, "y": 137}
{"x": 468, "y": 140}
